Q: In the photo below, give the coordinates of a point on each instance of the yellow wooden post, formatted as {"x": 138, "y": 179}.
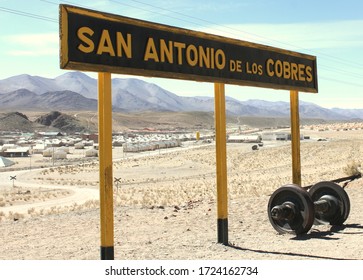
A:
{"x": 221, "y": 162}
{"x": 105, "y": 160}
{"x": 295, "y": 137}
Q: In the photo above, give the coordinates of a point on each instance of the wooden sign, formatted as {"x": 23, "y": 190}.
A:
{"x": 101, "y": 42}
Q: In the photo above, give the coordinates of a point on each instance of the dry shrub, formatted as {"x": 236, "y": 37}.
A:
{"x": 17, "y": 216}
{"x": 91, "y": 204}
{"x": 352, "y": 168}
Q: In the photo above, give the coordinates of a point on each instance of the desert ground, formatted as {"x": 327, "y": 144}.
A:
{"x": 165, "y": 205}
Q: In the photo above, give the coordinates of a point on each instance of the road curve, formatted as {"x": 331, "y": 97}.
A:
{"x": 77, "y": 195}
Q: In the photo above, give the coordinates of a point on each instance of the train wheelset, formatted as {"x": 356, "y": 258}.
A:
{"x": 294, "y": 209}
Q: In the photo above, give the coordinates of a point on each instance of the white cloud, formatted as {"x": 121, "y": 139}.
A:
{"x": 40, "y": 44}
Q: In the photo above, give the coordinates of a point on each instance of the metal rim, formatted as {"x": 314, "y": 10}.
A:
{"x": 304, "y": 209}
{"x": 340, "y": 203}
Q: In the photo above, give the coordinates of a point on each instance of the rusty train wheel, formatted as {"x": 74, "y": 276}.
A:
{"x": 291, "y": 210}
{"x": 338, "y": 203}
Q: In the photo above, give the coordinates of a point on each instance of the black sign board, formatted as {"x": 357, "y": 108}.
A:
{"x": 95, "y": 41}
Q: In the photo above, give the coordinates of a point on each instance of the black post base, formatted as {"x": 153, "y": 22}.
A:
{"x": 223, "y": 231}
{"x": 107, "y": 253}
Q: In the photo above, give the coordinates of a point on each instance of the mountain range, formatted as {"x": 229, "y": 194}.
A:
{"x": 77, "y": 91}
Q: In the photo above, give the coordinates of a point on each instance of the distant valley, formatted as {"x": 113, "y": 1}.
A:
{"x": 75, "y": 91}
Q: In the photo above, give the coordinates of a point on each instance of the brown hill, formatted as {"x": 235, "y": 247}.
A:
{"x": 87, "y": 121}
{"x": 15, "y": 121}
{"x": 62, "y": 122}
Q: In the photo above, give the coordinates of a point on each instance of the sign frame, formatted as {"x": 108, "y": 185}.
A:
{"x": 105, "y": 105}
{"x": 271, "y": 61}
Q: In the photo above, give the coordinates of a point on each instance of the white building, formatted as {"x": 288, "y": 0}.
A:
{"x": 244, "y": 138}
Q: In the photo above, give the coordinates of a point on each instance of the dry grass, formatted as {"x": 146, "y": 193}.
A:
{"x": 353, "y": 168}
{"x": 20, "y": 196}
{"x": 150, "y": 221}
{"x": 176, "y": 178}
{"x": 32, "y": 212}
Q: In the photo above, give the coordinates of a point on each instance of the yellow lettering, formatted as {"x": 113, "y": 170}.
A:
{"x": 220, "y": 59}
{"x": 88, "y": 45}
{"x": 235, "y": 65}
{"x": 294, "y": 71}
{"x": 192, "y": 59}
{"x": 269, "y": 63}
{"x": 105, "y": 44}
{"x": 180, "y": 47}
{"x": 204, "y": 57}
{"x": 180, "y": 53}
{"x": 288, "y": 70}
{"x": 309, "y": 76}
{"x": 123, "y": 46}
{"x": 286, "y": 66}
{"x": 248, "y": 70}
{"x": 150, "y": 52}
{"x": 166, "y": 51}
{"x": 212, "y": 58}
{"x": 260, "y": 70}
{"x": 278, "y": 68}
{"x": 301, "y": 72}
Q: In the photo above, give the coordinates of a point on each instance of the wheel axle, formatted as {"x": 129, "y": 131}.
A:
{"x": 286, "y": 211}
{"x": 292, "y": 209}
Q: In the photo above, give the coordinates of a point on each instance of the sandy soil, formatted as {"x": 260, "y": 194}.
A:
{"x": 165, "y": 206}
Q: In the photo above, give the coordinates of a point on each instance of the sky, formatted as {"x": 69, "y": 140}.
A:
{"x": 331, "y": 30}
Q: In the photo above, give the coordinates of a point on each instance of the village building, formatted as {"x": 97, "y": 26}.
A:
{"x": 50, "y": 134}
{"x": 244, "y": 138}
{"x": 278, "y": 136}
{"x": 16, "y": 152}
{"x": 90, "y": 137}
